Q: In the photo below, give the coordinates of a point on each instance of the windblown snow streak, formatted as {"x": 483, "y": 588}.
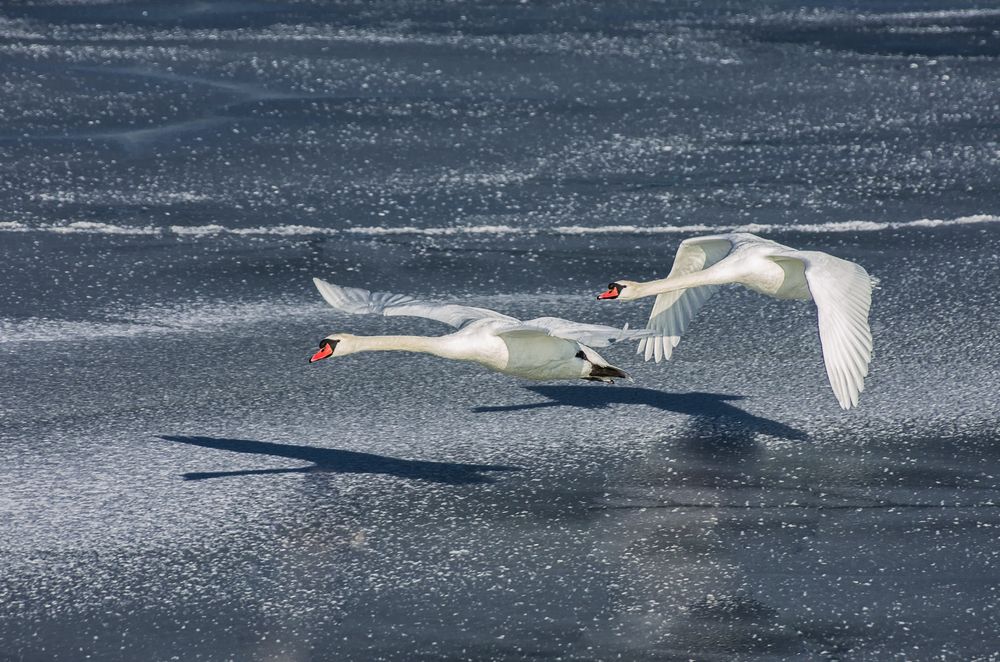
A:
{"x": 90, "y": 227}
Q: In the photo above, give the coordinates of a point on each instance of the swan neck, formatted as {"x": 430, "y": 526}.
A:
{"x": 420, "y": 344}
{"x": 674, "y": 283}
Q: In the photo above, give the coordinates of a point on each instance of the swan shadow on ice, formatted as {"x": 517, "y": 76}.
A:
{"x": 714, "y": 416}
{"x": 333, "y": 460}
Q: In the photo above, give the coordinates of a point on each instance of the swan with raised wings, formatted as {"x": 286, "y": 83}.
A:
{"x": 842, "y": 292}
{"x": 542, "y": 348}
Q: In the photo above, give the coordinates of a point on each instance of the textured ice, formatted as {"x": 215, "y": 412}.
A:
{"x": 179, "y": 482}
{"x": 156, "y": 319}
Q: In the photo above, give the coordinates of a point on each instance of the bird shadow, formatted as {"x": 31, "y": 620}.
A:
{"x": 333, "y": 460}
{"x": 713, "y": 417}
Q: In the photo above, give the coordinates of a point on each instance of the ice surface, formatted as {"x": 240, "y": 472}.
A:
{"x": 178, "y": 481}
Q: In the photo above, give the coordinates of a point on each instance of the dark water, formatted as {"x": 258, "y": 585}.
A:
{"x": 177, "y": 482}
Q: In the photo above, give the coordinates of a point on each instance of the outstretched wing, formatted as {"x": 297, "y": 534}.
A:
{"x": 673, "y": 311}
{"x": 592, "y": 335}
{"x": 842, "y": 291}
{"x": 357, "y": 301}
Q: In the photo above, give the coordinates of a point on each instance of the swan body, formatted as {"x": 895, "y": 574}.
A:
{"x": 543, "y": 348}
{"x": 840, "y": 289}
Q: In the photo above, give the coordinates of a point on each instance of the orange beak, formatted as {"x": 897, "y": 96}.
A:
{"x": 324, "y": 352}
{"x": 610, "y": 294}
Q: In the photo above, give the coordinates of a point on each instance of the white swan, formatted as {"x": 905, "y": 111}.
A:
{"x": 543, "y": 348}
{"x": 842, "y": 291}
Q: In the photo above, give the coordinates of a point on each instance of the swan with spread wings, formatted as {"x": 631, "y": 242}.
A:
{"x": 842, "y": 292}
{"x": 543, "y": 348}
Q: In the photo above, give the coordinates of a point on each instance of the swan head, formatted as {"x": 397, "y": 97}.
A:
{"x": 335, "y": 342}
{"x": 625, "y": 290}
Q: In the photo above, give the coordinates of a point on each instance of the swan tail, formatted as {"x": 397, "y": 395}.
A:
{"x": 606, "y": 373}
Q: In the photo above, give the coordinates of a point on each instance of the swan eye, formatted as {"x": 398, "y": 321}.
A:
{"x": 616, "y": 286}
{"x": 326, "y": 341}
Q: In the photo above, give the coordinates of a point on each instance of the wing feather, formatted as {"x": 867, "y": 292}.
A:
{"x": 673, "y": 311}
{"x": 357, "y": 301}
{"x": 842, "y": 291}
{"x": 592, "y": 335}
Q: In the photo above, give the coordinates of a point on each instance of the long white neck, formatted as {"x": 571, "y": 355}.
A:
{"x": 436, "y": 345}
{"x": 710, "y": 276}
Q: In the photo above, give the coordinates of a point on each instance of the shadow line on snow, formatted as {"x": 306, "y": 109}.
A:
{"x": 710, "y": 410}
{"x": 333, "y": 460}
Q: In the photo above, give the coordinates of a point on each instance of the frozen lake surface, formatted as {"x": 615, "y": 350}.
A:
{"x": 179, "y": 483}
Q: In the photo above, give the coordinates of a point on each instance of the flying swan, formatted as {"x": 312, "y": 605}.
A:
{"x": 543, "y": 348}
{"x": 842, "y": 291}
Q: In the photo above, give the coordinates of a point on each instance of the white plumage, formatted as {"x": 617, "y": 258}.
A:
{"x": 542, "y": 348}
{"x": 842, "y": 292}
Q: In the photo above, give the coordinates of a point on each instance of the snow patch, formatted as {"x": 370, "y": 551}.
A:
{"x": 90, "y": 227}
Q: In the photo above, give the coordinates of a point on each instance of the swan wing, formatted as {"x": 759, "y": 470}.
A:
{"x": 592, "y": 335}
{"x": 673, "y": 311}
{"x": 357, "y": 301}
{"x": 842, "y": 291}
